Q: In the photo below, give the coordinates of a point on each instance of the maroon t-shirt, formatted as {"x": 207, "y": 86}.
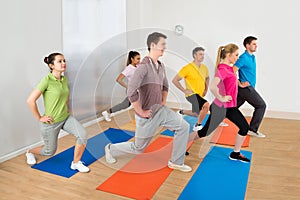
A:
{"x": 147, "y": 85}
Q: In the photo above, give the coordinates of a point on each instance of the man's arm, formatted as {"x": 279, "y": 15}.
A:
{"x": 241, "y": 84}
{"x": 138, "y": 109}
{"x": 206, "y": 86}
{"x": 176, "y": 82}
{"x": 133, "y": 94}
{"x": 164, "y": 97}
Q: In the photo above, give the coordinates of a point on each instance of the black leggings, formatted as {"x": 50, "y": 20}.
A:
{"x": 217, "y": 115}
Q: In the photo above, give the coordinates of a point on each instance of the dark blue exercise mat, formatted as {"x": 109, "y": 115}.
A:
{"x": 191, "y": 120}
{"x": 60, "y": 163}
{"x": 218, "y": 177}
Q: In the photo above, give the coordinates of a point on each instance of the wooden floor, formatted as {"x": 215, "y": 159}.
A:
{"x": 274, "y": 174}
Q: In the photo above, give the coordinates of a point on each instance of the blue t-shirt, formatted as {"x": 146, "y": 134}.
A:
{"x": 247, "y": 68}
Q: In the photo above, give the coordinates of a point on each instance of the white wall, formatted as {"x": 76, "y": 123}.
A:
{"x": 94, "y": 42}
{"x": 29, "y": 30}
{"x": 212, "y": 23}
{"x": 92, "y": 36}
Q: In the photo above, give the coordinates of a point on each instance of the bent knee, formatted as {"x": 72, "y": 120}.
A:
{"x": 138, "y": 149}
{"x": 48, "y": 152}
{"x": 243, "y": 131}
{"x": 261, "y": 105}
{"x": 206, "y": 106}
{"x": 82, "y": 140}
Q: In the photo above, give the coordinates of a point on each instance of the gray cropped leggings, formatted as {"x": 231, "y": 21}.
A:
{"x": 123, "y": 105}
{"x": 50, "y": 134}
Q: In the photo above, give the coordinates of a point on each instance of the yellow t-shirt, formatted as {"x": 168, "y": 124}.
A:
{"x": 194, "y": 77}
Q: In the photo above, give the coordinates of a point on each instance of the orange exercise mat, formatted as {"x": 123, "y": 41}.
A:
{"x": 144, "y": 174}
{"x": 226, "y": 134}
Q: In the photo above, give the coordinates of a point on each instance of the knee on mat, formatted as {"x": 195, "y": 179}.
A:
{"x": 81, "y": 141}
{"x": 49, "y": 152}
{"x": 139, "y": 150}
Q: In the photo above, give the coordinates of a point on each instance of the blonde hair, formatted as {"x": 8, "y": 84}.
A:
{"x": 223, "y": 50}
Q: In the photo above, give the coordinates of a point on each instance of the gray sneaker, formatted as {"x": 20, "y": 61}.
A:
{"x": 256, "y": 134}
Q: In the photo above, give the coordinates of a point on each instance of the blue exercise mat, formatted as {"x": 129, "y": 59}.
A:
{"x": 218, "y": 177}
{"x": 60, "y": 163}
{"x": 191, "y": 120}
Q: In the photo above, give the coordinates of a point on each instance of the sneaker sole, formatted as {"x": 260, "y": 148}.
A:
{"x": 257, "y": 136}
{"x": 178, "y": 168}
{"x": 80, "y": 171}
{"x": 237, "y": 160}
{"x": 175, "y": 168}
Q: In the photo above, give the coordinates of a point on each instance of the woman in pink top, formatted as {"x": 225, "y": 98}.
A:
{"x": 224, "y": 86}
{"x": 132, "y": 61}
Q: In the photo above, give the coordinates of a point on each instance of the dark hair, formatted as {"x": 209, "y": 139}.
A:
{"x": 50, "y": 59}
{"x": 248, "y": 40}
{"x": 131, "y": 55}
{"x": 154, "y": 37}
{"x": 197, "y": 49}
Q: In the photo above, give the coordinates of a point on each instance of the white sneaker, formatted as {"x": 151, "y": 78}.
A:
{"x": 106, "y": 116}
{"x": 223, "y": 124}
{"x": 183, "y": 167}
{"x": 109, "y": 158}
{"x": 30, "y": 158}
{"x": 80, "y": 167}
{"x": 256, "y": 134}
{"x": 197, "y": 127}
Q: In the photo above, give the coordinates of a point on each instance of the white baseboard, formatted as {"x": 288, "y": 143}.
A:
{"x": 62, "y": 133}
{"x": 274, "y": 114}
{"x": 94, "y": 121}
{"x": 246, "y": 111}
{"x": 24, "y": 149}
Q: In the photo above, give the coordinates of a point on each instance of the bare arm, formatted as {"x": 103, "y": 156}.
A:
{"x": 120, "y": 80}
{"x": 206, "y": 86}
{"x": 164, "y": 97}
{"x": 241, "y": 84}
{"x": 132, "y": 92}
{"x": 215, "y": 90}
{"x": 31, "y": 102}
{"x": 138, "y": 108}
{"x": 176, "y": 82}
{"x": 235, "y": 69}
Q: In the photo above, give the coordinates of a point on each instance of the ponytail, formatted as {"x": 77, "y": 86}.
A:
{"x": 131, "y": 55}
{"x": 223, "y": 51}
{"x": 219, "y": 57}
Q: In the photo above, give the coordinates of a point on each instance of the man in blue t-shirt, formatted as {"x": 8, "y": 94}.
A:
{"x": 246, "y": 67}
